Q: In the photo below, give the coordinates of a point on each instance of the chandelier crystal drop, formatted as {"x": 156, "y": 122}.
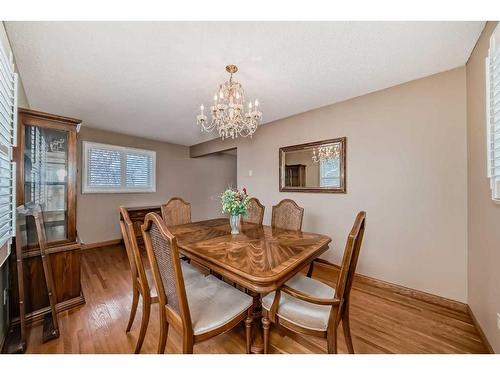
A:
{"x": 325, "y": 153}
{"x": 230, "y": 115}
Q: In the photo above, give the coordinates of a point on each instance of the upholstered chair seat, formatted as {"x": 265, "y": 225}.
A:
{"x": 299, "y": 312}
{"x": 213, "y": 303}
{"x": 190, "y": 273}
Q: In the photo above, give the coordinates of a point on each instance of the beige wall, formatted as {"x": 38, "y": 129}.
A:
{"x": 406, "y": 166}
{"x": 483, "y": 214}
{"x": 199, "y": 181}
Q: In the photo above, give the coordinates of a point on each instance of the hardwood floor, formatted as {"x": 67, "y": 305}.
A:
{"x": 382, "y": 321}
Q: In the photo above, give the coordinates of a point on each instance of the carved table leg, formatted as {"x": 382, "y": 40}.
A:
{"x": 265, "y": 326}
{"x": 257, "y": 346}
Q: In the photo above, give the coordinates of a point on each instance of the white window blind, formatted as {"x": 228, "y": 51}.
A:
{"x": 115, "y": 169}
{"x": 329, "y": 173}
{"x": 493, "y": 114}
{"x": 8, "y": 119}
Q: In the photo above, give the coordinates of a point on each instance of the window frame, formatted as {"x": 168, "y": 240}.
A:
{"x": 491, "y": 145}
{"x": 87, "y": 145}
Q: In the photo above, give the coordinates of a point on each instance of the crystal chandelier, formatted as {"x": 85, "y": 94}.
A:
{"x": 228, "y": 111}
{"x": 325, "y": 153}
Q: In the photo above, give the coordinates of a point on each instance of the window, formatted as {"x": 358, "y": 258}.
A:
{"x": 493, "y": 114}
{"x": 8, "y": 118}
{"x": 115, "y": 169}
{"x": 329, "y": 173}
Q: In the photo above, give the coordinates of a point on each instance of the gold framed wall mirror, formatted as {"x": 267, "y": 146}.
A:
{"x": 315, "y": 167}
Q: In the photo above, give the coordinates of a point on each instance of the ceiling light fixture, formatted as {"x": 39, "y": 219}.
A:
{"x": 228, "y": 111}
{"x": 326, "y": 153}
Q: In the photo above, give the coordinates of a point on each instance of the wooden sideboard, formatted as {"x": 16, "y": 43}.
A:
{"x": 137, "y": 215}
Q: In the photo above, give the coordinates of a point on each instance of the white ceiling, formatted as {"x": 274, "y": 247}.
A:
{"x": 149, "y": 78}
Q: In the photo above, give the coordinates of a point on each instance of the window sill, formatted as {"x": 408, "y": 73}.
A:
{"x": 131, "y": 191}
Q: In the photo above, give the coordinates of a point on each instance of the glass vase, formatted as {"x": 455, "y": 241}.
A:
{"x": 235, "y": 221}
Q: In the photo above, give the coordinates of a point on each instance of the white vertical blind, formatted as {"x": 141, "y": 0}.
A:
{"x": 493, "y": 114}
{"x": 115, "y": 169}
{"x": 8, "y": 120}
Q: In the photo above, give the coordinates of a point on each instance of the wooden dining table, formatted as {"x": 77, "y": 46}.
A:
{"x": 260, "y": 259}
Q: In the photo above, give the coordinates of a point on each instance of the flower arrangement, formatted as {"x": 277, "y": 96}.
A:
{"x": 235, "y": 202}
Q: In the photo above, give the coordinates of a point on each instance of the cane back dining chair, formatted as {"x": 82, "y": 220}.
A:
{"x": 176, "y": 212}
{"x": 255, "y": 212}
{"x": 200, "y": 310}
{"x": 140, "y": 284}
{"x": 326, "y": 258}
{"x": 308, "y": 306}
{"x": 287, "y": 215}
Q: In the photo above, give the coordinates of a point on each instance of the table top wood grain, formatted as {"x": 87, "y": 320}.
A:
{"x": 260, "y": 258}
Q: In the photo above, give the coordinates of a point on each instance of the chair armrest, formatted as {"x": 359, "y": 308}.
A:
{"x": 304, "y": 297}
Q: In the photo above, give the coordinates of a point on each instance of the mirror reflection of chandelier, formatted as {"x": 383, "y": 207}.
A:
{"x": 228, "y": 111}
{"x": 326, "y": 153}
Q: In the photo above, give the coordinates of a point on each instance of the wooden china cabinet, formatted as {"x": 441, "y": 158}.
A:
{"x": 295, "y": 175}
{"x": 46, "y": 175}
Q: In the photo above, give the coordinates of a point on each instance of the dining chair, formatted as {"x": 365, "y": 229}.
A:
{"x": 140, "y": 284}
{"x": 287, "y": 215}
{"x": 198, "y": 310}
{"x": 176, "y": 212}
{"x": 326, "y": 258}
{"x": 308, "y": 306}
{"x": 255, "y": 212}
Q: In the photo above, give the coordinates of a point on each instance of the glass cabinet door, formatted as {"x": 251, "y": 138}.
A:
{"x": 46, "y": 178}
